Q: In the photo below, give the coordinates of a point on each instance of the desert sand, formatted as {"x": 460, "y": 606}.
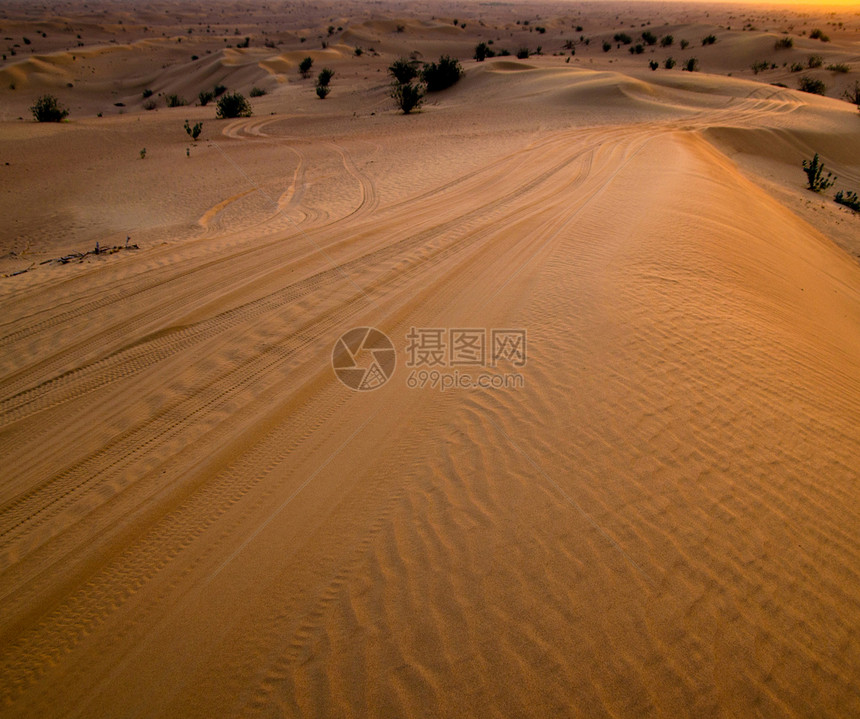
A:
{"x": 659, "y": 517}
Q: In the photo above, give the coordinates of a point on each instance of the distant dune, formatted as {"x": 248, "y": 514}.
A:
{"x": 623, "y": 482}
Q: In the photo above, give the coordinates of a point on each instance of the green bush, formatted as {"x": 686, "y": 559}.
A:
{"x": 649, "y": 37}
{"x": 607, "y": 46}
{"x": 814, "y": 170}
{"x": 667, "y": 41}
{"x": 784, "y": 43}
{"x": 669, "y": 63}
{"x": 653, "y": 64}
{"x": 523, "y": 53}
{"x": 811, "y": 85}
{"x": 407, "y": 96}
{"x": 324, "y": 78}
{"x": 147, "y": 93}
{"x": 305, "y": 66}
{"x": 48, "y": 109}
{"x": 204, "y": 97}
{"x": 232, "y": 105}
{"x": 692, "y": 65}
{"x": 853, "y": 95}
{"x": 709, "y": 40}
{"x": 817, "y": 34}
{"x": 637, "y": 49}
{"x": 219, "y": 90}
{"x": 323, "y": 91}
{"x": 441, "y": 75}
{"x": 814, "y": 61}
{"x": 622, "y": 37}
{"x": 257, "y": 92}
{"x": 403, "y": 70}
{"x": 796, "y": 67}
{"x": 194, "y": 132}
{"x": 849, "y": 199}
{"x": 483, "y": 51}
{"x": 761, "y": 66}
{"x": 840, "y": 67}
{"x": 685, "y": 44}
{"x": 174, "y": 100}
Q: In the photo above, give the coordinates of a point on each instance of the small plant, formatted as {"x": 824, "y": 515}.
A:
{"x": 811, "y": 85}
{"x": 840, "y": 67}
{"x": 853, "y": 95}
{"x": 709, "y": 40}
{"x": 784, "y": 43}
{"x": 305, "y": 66}
{"x": 667, "y": 41}
{"x": 817, "y": 34}
{"x": 653, "y": 64}
{"x": 649, "y": 37}
{"x": 174, "y": 100}
{"x": 245, "y": 43}
{"x": 258, "y": 92}
{"x": 442, "y": 74}
{"x": 607, "y": 46}
{"x": 692, "y": 65}
{"x": 143, "y": 153}
{"x": 232, "y": 105}
{"x": 204, "y": 97}
{"x": 358, "y": 52}
{"x": 323, "y": 91}
{"x": 150, "y": 105}
{"x": 814, "y": 170}
{"x": 685, "y": 44}
{"x": 407, "y": 96}
{"x": 523, "y": 53}
{"x": 669, "y": 63}
{"x": 325, "y": 76}
{"x": 623, "y": 38}
{"x": 219, "y": 90}
{"x": 195, "y": 130}
{"x": 814, "y": 61}
{"x": 637, "y": 49}
{"x": 483, "y": 51}
{"x": 147, "y": 93}
{"x": 796, "y": 67}
{"x": 761, "y": 66}
{"x": 849, "y": 199}
{"x": 403, "y": 70}
{"x": 48, "y": 109}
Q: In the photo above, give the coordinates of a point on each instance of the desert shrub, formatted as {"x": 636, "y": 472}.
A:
{"x": 441, "y": 75}
{"x": 623, "y": 38}
{"x": 796, "y": 67}
{"x": 245, "y": 43}
{"x": 257, "y": 92}
{"x": 761, "y": 66}
{"x": 142, "y": 153}
{"x": 649, "y": 37}
{"x": 358, "y": 52}
{"x": 150, "y": 104}
{"x": 854, "y": 94}
{"x": 48, "y": 109}
{"x": 815, "y": 179}
{"x": 174, "y": 100}
{"x": 692, "y": 65}
{"x": 667, "y": 41}
{"x": 325, "y": 76}
{"x": 810, "y": 84}
{"x": 219, "y": 90}
{"x": 709, "y": 40}
{"x": 322, "y": 91}
{"x": 669, "y": 63}
{"x": 840, "y": 67}
{"x": 653, "y": 64}
{"x": 607, "y": 46}
{"x": 407, "y": 96}
{"x": 814, "y": 61}
{"x": 784, "y": 43}
{"x": 147, "y": 93}
{"x": 403, "y": 70}
{"x": 849, "y": 199}
{"x": 523, "y": 53}
{"x": 685, "y": 44}
{"x": 231, "y": 105}
{"x": 305, "y": 66}
{"x": 637, "y": 49}
{"x": 504, "y": 52}
{"x": 817, "y": 34}
{"x": 194, "y": 131}
{"x": 204, "y": 97}
{"x": 482, "y": 51}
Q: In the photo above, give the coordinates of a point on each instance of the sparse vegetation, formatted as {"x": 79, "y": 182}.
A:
{"x": 407, "y": 96}
{"x": 685, "y": 44}
{"x": 796, "y": 67}
{"x": 322, "y": 91}
{"x": 523, "y": 53}
{"x": 204, "y": 97}
{"x": 760, "y": 66}
{"x": 637, "y": 49}
{"x": 173, "y": 100}
{"x": 649, "y": 37}
{"x": 814, "y": 61}
{"x": 669, "y": 63}
{"x": 442, "y": 74}
{"x": 323, "y": 79}
{"x": 403, "y": 70}
{"x": 849, "y": 199}
{"x": 305, "y": 66}
{"x": 812, "y": 85}
{"x": 853, "y": 95}
{"x": 784, "y": 43}
{"x": 815, "y": 179}
{"x": 150, "y": 104}
{"x": 692, "y": 65}
{"x": 709, "y": 40}
{"x": 219, "y": 90}
{"x": 48, "y": 109}
{"x": 193, "y": 130}
{"x": 653, "y": 64}
{"x": 483, "y": 51}
{"x": 667, "y": 41}
{"x": 607, "y": 46}
{"x": 143, "y": 153}
{"x": 623, "y": 38}
{"x": 257, "y": 92}
{"x": 840, "y": 67}
{"x": 147, "y": 93}
{"x": 232, "y": 105}
{"x": 817, "y": 34}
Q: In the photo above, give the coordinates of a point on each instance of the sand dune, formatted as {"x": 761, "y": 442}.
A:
{"x": 660, "y": 518}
